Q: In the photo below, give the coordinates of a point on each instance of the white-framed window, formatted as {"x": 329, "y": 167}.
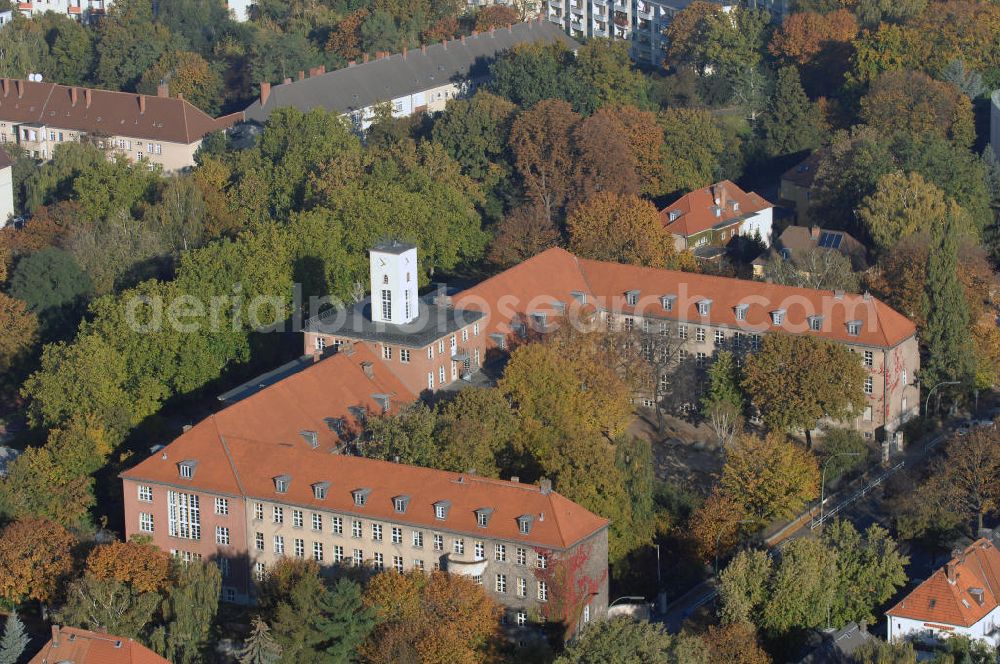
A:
{"x": 500, "y": 553}
{"x": 300, "y": 547}
{"x": 222, "y": 535}
{"x": 397, "y": 535}
{"x": 586, "y": 611}
{"x": 905, "y": 382}
{"x": 397, "y": 563}
{"x": 228, "y": 593}
{"x": 222, "y": 506}
{"x": 277, "y": 514}
{"x": 458, "y": 546}
{"x": 296, "y": 518}
{"x": 475, "y": 329}
{"x": 720, "y": 337}
{"x": 869, "y": 358}
{"x": 682, "y": 331}
{"x": 521, "y": 556}
{"x": 258, "y": 511}
{"x": 183, "y": 515}
{"x": 145, "y": 493}
{"x": 319, "y": 343}
{"x": 258, "y": 571}
{"x": 317, "y": 521}
{"x": 377, "y": 532}
{"x": 440, "y": 511}
{"x": 541, "y": 561}
{"x": 543, "y": 591}
{"x": 482, "y": 519}
{"x": 337, "y": 525}
{"x": 379, "y": 562}
{"x": 387, "y": 304}
{"x": 700, "y": 359}
{"x": 521, "y": 618}
{"x": 869, "y": 385}
{"x": 430, "y": 380}
{"x": 318, "y": 551}
{"x": 430, "y": 352}
{"x": 438, "y": 542}
{"x": 480, "y": 549}
{"x": 501, "y": 583}
{"x": 477, "y": 579}
{"x": 404, "y": 355}
{"x": 258, "y": 541}
{"x": 699, "y": 334}
{"x": 418, "y": 539}
{"x": 441, "y": 375}
{"x": 279, "y": 545}
{"x": 418, "y": 564}
{"x": 522, "y": 587}
{"x": 441, "y": 347}
{"x": 355, "y": 528}
{"x": 158, "y": 149}
{"x": 338, "y": 553}
{"x": 358, "y": 557}
{"x": 145, "y": 522}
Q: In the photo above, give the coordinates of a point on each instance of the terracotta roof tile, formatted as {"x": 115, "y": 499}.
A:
{"x": 697, "y": 209}
{"x": 949, "y": 602}
{"x": 80, "y": 646}
{"x": 111, "y": 113}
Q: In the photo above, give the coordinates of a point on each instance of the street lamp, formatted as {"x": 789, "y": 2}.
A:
{"x": 633, "y": 598}
{"x": 927, "y": 401}
{"x": 718, "y": 538}
{"x": 822, "y": 482}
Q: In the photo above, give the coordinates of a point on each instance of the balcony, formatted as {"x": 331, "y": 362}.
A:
{"x": 464, "y": 565}
{"x": 600, "y": 32}
{"x": 555, "y": 18}
{"x": 644, "y": 10}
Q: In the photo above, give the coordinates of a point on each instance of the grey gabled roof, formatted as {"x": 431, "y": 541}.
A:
{"x": 364, "y": 84}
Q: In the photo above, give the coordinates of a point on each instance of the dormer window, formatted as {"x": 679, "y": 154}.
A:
{"x": 673, "y": 215}
{"x": 400, "y": 503}
{"x": 816, "y": 323}
{"x": 735, "y": 205}
{"x": 186, "y": 468}
{"x": 854, "y": 327}
{"x": 441, "y": 508}
{"x": 632, "y": 297}
{"x": 282, "y": 482}
{"x": 704, "y": 306}
{"x": 320, "y": 489}
{"x": 335, "y": 424}
{"x": 524, "y": 524}
{"x": 361, "y": 496}
{"x": 579, "y": 296}
{"x": 778, "y": 316}
{"x": 667, "y": 302}
{"x": 311, "y": 437}
{"x": 541, "y": 320}
{"x": 560, "y": 307}
{"x": 741, "y": 311}
{"x": 483, "y": 515}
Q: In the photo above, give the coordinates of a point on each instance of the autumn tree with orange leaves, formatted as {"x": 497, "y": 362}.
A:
{"x": 804, "y": 35}
{"x": 620, "y": 228}
{"x": 141, "y": 564}
{"x": 36, "y": 555}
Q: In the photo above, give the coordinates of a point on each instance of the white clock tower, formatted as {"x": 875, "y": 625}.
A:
{"x": 393, "y": 268}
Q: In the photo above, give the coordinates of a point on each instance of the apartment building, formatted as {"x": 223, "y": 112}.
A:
{"x": 707, "y": 219}
{"x": 265, "y": 478}
{"x": 415, "y": 81}
{"x": 84, "y": 10}
{"x": 7, "y": 210}
{"x": 161, "y": 129}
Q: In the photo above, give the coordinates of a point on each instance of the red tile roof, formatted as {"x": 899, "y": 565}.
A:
{"x": 240, "y": 450}
{"x": 81, "y": 646}
{"x": 945, "y": 597}
{"x": 110, "y": 113}
{"x": 551, "y": 277}
{"x": 698, "y": 208}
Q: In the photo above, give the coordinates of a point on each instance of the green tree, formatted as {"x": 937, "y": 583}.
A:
{"x": 723, "y": 401}
{"x": 620, "y": 640}
{"x": 743, "y": 587}
{"x": 106, "y": 604}
{"x": 836, "y": 442}
{"x": 474, "y": 132}
{"x": 870, "y": 569}
{"x": 260, "y": 648}
{"x": 14, "y": 640}
{"x": 407, "y": 436}
{"x": 792, "y": 123}
{"x": 796, "y": 380}
{"x": 345, "y": 622}
{"x": 24, "y": 48}
{"x": 187, "y": 74}
{"x": 802, "y": 595}
{"x": 619, "y": 228}
{"x": 608, "y": 76}
{"x": 529, "y": 73}
{"x": 54, "y": 288}
{"x": 188, "y": 613}
{"x": 716, "y": 41}
{"x": 129, "y": 43}
{"x": 949, "y": 349}
{"x": 71, "y": 49}
{"x": 693, "y": 145}
{"x": 770, "y": 478}
{"x": 477, "y": 429}
{"x": 816, "y": 267}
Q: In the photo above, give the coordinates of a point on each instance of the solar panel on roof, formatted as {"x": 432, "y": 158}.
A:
{"x": 830, "y": 240}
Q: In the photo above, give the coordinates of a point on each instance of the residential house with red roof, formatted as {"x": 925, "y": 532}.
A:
{"x": 162, "y": 129}
{"x": 962, "y": 598}
{"x": 70, "y": 645}
{"x": 709, "y": 218}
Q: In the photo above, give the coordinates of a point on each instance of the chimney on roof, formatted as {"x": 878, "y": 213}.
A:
{"x": 142, "y": 104}
{"x": 444, "y": 44}
{"x": 163, "y": 89}
{"x": 351, "y": 63}
{"x": 19, "y": 84}
{"x": 423, "y": 48}
{"x": 369, "y": 369}
{"x": 867, "y": 296}
{"x": 302, "y": 75}
{"x": 950, "y": 571}
{"x": 366, "y": 57}
{"x": 545, "y": 486}
{"x": 55, "y": 636}
{"x": 87, "y": 95}
{"x": 510, "y": 27}
{"x": 287, "y": 80}
{"x": 404, "y": 52}
{"x": 72, "y": 96}
{"x": 265, "y": 92}
{"x": 347, "y": 348}
{"x": 814, "y": 232}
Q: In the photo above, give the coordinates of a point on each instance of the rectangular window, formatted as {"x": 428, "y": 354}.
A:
{"x": 377, "y": 532}
{"x": 700, "y": 359}
{"x": 221, "y": 506}
{"x": 258, "y": 571}
{"x": 145, "y": 494}
{"x": 522, "y": 618}
{"x": 699, "y": 334}
{"x": 397, "y": 563}
{"x": 438, "y": 543}
{"x": 418, "y": 539}
{"x": 404, "y": 355}
{"x": 458, "y": 546}
{"x": 430, "y": 380}
{"x": 379, "y": 563}
{"x": 397, "y": 535}
{"x": 500, "y": 553}
{"x": 318, "y": 551}
{"x": 869, "y": 358}
{"x": 869, "y": 385}
{"x": 277, "y": 514}
{"x": 441, "y": 375}
{"x": 480, "y": 551}
{"x": 338, "y": 553}
{"x": 300, "y": 548}
{"x": 317, "y": 521}
{"x": 387, "y": 305}
{"x": 258, "y": 511}
{"x": 501, "y": 585}
{"x": 145, "y": 522}
{"x": 522, "y": 587}
{"x": 543, "y": 591}
{"x": 319, "y": 343}
{"x": 279, "y": 545}
{"x": 338, "y": 525}
{"x": 682, "y": 331}
{"x": 418, "y": 564}
{"x": 355, "y": 528}
{"x": 222, "y": 535}
{"x": 720, "y": 337}
{"x": 258, "y": 541}
{"x": 465, "y": 334}
{"x": 296, "y": 518}
{"x": 358, "y": 558}
{"x": 522, "y": 555}
{"x": 541, "y": 561}
{"x": 430, "y": 352}
{"x": 183, "y": 515}
{"x": 475, "y": 329}
{"x": 386, "y": 352}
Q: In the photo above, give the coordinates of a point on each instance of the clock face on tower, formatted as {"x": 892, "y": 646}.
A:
{"x": 381, "y": 261}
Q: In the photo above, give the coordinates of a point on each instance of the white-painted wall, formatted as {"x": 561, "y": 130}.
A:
{"x": 987, "y": 629}
{"x": 6, "y": 195}
{"x": 760, "y": 222}
{"x": 396, "y": 273}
